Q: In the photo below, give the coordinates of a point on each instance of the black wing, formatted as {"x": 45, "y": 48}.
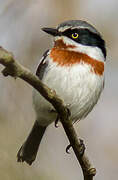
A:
{"x": 42, "y": 66}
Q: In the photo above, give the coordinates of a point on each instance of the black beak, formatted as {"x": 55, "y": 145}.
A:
{"x": 51, "y": 31}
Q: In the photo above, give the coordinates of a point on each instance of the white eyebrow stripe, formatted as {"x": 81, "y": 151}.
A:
{"x": 80, "y": 27}
{"x": 62, "y": 29}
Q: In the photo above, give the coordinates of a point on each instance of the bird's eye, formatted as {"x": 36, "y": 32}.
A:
{"x": 75, "y": 35}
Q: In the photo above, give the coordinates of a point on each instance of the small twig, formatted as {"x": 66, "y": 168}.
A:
{"x": 14, "y": 69}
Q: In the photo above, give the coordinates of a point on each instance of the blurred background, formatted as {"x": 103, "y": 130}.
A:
{"x": 20, "y": 32}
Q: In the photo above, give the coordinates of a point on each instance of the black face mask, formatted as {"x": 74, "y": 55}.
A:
{"x": 85, "y": 37}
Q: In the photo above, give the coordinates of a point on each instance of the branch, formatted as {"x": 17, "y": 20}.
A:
{"x": 14, "y": 69}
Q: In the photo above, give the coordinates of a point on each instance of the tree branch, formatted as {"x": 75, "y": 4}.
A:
{"x": 14, "y": 69}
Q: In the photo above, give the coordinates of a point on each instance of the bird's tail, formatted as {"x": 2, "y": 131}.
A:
{"x": 28, "y": 150}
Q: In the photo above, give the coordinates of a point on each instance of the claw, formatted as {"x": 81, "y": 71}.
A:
{"x": 68, "y": 148}
{"x": 56, "y": 121}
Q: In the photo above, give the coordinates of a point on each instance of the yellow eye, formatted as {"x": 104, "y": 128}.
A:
{"x": 75, "y": 35}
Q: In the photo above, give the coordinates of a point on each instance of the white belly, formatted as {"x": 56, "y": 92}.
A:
{"x": 76, "y": 85}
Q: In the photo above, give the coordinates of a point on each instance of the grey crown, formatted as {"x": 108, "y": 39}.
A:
{"x": 78, "y": 24}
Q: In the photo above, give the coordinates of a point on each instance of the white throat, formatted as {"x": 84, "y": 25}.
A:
{"x": 93, "y": 52}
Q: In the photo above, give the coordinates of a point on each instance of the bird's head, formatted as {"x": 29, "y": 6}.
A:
{"x": 79, "y": 36}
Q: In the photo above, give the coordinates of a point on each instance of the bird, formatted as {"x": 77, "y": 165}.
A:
{"x": 74, "y": 68}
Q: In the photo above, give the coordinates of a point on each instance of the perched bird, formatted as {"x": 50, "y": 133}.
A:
{"x": 74, "y": 68}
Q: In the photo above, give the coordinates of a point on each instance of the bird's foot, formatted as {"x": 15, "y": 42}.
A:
{"x": 81, "y": 149}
